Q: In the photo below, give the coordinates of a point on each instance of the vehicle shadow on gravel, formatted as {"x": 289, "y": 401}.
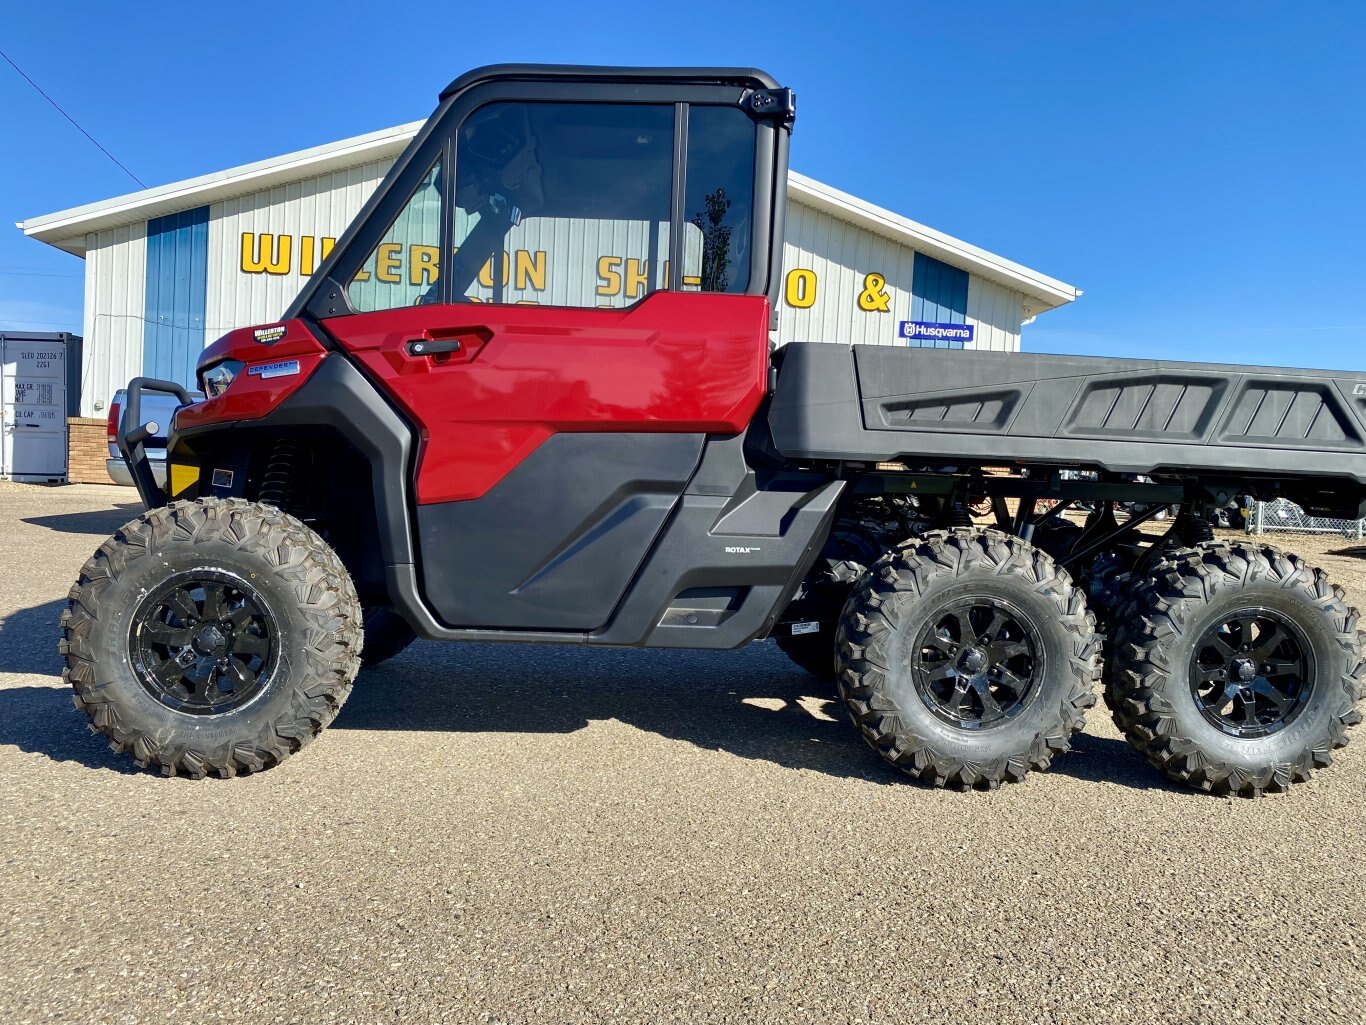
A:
{"x": 28, "y": 639}
{"x": 42, "y": 720}
{"x": 99, "y": 523}
{"x": 750, "y": 703}
{"x": 1350, "y": 552}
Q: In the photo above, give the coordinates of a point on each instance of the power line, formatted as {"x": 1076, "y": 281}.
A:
{"x": 41, "y": 323}
{"x": 64, "y": 114}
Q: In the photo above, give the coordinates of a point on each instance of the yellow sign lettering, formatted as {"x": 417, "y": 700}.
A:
{"x": 265, "y": 253}
{"x": 531, "y": 270}
{"x": 873, "y": 298}
{"x": 387, "y": 262}
{"x": 637, "y": 277}
{"x": 422, "y": 264}
{"x": 609, "y": 276}
{"x": 800, "y": 289}
{"x": 486, "y": 272}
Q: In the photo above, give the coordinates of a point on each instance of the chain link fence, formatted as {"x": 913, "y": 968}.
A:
{"x": 1286, "y": 517}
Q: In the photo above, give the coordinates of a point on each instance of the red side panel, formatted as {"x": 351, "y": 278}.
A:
{"x": 684, "y": 363}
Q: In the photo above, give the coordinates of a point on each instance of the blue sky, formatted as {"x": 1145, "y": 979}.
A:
{"x": 1196, "y": 167}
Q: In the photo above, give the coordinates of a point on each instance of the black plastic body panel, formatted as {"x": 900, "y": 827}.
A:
{"x": 556, "y": 542}
{"x": 874, "y": 403}
{"x": 731, "y": 556}
{"x": 338, "y": 396}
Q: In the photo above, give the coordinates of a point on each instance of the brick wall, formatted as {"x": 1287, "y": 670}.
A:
{"x": 87, "y": 447}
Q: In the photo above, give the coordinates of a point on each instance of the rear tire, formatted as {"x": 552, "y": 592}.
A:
{"x": 1236, "y": 669}
{"x": 968, "y": 658}
{"x": 211, "y": 637}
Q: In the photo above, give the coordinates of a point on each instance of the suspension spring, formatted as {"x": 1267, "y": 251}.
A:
{"x": 279, "y": 482}
{"x": 1194, "y": 530}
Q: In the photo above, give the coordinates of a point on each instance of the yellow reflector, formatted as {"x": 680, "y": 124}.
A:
{"x": 182, "y": 477}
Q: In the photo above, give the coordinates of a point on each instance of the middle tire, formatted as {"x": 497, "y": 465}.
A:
{"x": 848, "y": 553}
{"x": 968, "y": 658}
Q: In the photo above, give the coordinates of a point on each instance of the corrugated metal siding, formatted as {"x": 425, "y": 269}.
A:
{"x": 996, "y": 313}
{"x": 418, "y": 224}
{"x": 317, "y": 208}
{"x": 940, "y": 292}
{"x": 573, "y": 249}
{"x": 115, "y": 289}
{"x": 177, "y": 254}
{"x": 842, "y": 256}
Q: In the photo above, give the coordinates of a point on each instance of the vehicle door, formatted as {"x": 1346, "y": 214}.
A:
{"x": 597, "y": 318}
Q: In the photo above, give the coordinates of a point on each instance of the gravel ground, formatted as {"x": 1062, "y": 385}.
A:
{"x": 501, "y": 834}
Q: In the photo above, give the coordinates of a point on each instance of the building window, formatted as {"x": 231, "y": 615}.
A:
{"x": 402, "y": 270}
{"x": 939, "y": 295}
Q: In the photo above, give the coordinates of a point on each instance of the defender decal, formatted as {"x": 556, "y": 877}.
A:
{"x": 265, "y": 371}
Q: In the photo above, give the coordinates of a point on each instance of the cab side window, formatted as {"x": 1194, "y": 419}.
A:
{"x": 402, "y": 270}
{"x": 719, "y": 208}
{"x": 563, "y": 204}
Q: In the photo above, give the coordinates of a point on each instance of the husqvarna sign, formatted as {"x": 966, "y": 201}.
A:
{"x": 928, "y": 331}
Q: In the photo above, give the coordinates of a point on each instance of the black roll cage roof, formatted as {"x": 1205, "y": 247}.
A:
{"x": 324, "y": 294}
{"x": 751, "y": 77}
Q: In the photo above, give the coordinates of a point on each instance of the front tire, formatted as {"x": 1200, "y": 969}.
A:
{"x": 211, "y": 637}
{"x": 1237, "y": 669}
{"x": 968, "y": 658}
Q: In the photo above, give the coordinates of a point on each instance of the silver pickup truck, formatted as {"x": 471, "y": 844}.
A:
{"x": 157, "y": 407}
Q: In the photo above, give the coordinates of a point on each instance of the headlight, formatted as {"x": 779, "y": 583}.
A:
{"x": 215, "y": 379}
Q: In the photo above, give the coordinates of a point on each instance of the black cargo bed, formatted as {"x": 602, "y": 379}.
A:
{"x": 892, "y": 404}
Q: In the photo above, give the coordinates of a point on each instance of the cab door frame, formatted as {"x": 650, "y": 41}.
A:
{"x": 325, "y": 296}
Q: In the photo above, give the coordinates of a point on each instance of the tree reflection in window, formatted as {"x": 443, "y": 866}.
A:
{"x": 720, "y": 198}
{"x": 715, "y": 240}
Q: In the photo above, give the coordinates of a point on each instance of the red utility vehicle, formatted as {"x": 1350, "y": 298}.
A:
{"x": 410, "y": 453}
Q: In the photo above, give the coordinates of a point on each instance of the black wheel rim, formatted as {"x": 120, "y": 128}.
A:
{"x": 204, "y": 642}
{"x": 976, "y": 664}
{"x": 1252, "y": 672}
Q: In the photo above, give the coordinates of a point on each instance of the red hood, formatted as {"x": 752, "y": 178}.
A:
{"x": 287, "y": 352}
{"x": 258, "y": 344}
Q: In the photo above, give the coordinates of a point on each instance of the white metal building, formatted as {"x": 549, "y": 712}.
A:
{"x": 170, "y": 269}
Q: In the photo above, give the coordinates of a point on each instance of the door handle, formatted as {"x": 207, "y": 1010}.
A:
{"x": 433, "y": 347}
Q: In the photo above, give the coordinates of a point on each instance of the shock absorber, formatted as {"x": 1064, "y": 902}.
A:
{"x": 279, "y": 483}
{"x": 956, "y": 512}
{"x": 1193, "y": 529}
